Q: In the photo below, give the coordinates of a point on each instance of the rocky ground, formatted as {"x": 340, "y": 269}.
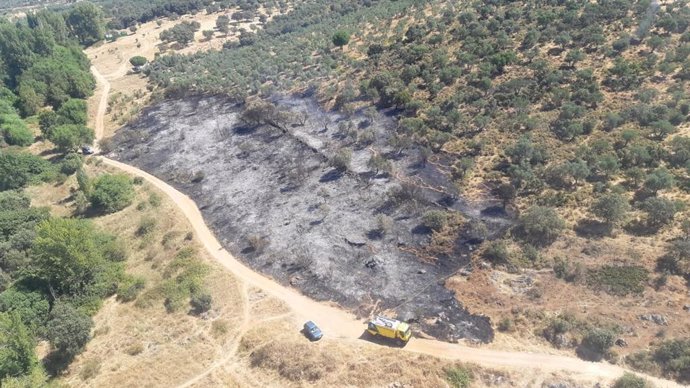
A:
{"x": 274, "y": 201}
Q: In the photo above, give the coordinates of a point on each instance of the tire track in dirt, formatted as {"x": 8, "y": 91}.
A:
{"x": 340, "y": 324}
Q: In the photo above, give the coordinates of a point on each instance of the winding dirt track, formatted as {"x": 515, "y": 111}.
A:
{"x": 340, "y": 324}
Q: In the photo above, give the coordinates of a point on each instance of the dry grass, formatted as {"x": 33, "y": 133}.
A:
{"x": 129, "y": 93}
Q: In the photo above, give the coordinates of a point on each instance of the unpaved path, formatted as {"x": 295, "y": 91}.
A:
{"x": 340, "y": 324}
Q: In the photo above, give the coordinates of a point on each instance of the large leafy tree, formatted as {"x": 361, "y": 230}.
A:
{"x": 69, "y": 137}
{"x": 68, "y": 254}
{"x": 85, "y": 21}
{"x": 112, "y": 193}
{"x": 68, "y": 329}
{"x": 17, "y": 355}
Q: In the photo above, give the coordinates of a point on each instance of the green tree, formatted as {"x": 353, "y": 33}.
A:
{"x": 223, "y": 23}
{"x": 85, "y": 21}
{"x": 659, "y": 179}
{"x": 574, "y": 56}
{"x": 47, "y": 121}
{"x": 112, "y": 193}
{"x": 68, "y": 256}
{"x": 540, "y": 225}
{"x": 15, "y": 131}
{"x": 68, "y": 329}
{"x": 660, "y": 211}
{"x": 31, "y": 306}
{"x": 341, "y": 38}
{"x": 73, "y": 111}
{"x": 69, "y": 137}
{"x": 18, "y": 169}
{"x": 612, "y": 208}
{"x": 17, "y": 354}
{"x": 138, "y": 61}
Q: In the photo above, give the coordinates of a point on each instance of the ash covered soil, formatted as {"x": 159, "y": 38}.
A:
{"x": 273, "y": 200}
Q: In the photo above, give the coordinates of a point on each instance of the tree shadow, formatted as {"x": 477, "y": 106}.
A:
{"x": 331, "y": 176}
{"x": 587, "y": 354}
{"x": 593, "y": 229}
{"x": 641, "y": 228}
{"x": 56, "y": 362}
{"x": 244, "y": 130}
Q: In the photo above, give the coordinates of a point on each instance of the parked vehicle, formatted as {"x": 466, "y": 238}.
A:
{"x": 312, "y": 331}
{"x": 87, "y": 150}
{"x": 390, "y": 328}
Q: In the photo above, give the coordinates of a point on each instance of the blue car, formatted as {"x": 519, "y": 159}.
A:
{"x": 312, "y": 331}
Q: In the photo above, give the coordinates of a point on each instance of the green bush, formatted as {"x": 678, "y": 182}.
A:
{"x": 129, "y": 288}
{"x": 112, "y": 193}
{"x": 459, "y": 377}
{"x": 32, "y": 307}
{"x": 540, "y": 225}
{"x": 146, "y": 226}
{"x": 619, "y": 280}
{"x": 71, "y": 163}
{"x": 19, "y": 169}
{"x": 497, "y": 252}
{"x": 138, "y": 61}
{"x": 15, "y": 131}
{"x": 598, "y": 342}
{"x": 435, "y": 219}
{"x": 629, "y": 380}
{"x": 17, "y": 354}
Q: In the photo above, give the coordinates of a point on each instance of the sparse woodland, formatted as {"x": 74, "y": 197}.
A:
{"x": 575, "y": 115}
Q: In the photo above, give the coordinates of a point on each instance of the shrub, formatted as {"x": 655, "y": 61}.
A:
{"x": 459, "y": 377}
{"x": 598, "y": 342}
{"x": 146, "y": 226}
{"x": 497, "y": 252}
{"x": 155, "y": 200}
{"x": 134, "y": 349}
{"x": 129, "y": 288}
{"x": 219, "y": 328}
{"x": 629, "y": 380}
{"x": 90, "y": 369}
{"x": 540, "y": 225}
{"x": 201, "y": 303}
{"x": 341, "y": 160}
{"x": 435, "y": 219}
{"x": 505, "y": 324}
{"x": 18, "y": 169}
{"x": 619, "y": 280}
{"x": 341, "y": 38}
{"x": 14, "y": 130}
{"x": 32, "y": 307}
{"x": 71, "y": 163}
{"x": 138, "y": 61}
{"x": 112, "y": 193}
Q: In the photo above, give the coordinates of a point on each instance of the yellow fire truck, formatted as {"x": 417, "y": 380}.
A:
{"x": 390, "y": 328}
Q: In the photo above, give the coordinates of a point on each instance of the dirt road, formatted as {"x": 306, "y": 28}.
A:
{"x": 340, "y": 324}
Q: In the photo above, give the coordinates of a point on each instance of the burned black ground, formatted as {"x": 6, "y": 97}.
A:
{"x": 274, "y": 201}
